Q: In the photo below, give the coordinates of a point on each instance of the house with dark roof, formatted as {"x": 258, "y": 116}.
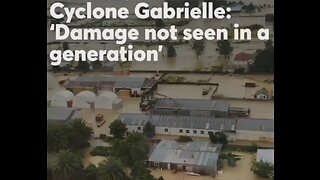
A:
{"x": 199, "y": 157}
{"x": 243, "y": 60}
{"x": 192, "y": 107}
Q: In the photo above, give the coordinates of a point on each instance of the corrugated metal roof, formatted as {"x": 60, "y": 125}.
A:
{"x": 61, "y": 113}
{"x": 250, "y": 124}
{"x": 200, "y": 153}
{"x": 196, "y": 104}
{"x": 130, "y": 82}
{"x": 72, "y": 84}
{"x": 133, "y": 119}
{"x": 191, "y": 122}
{"x": 195, "y": 122}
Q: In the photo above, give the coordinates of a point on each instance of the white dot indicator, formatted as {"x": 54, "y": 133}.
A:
{"x": 228, "y": 16}
{"x": 228, "y": 9}
{"x": 236, "y": 25}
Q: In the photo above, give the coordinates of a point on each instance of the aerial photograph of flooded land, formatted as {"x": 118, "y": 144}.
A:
{"x": 204, "y": 110}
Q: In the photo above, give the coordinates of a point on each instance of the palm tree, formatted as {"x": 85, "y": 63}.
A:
{"x": 224, "y": 48}
{"x": 111, "y": 170}
{"x": 131, "y": 149}
{"x": 68, "y": 166}
{"x": 198, "y": 47}
{"x": 79, "y": 127}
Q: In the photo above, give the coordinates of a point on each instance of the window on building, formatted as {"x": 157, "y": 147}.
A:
{"x": 202, "y": 132}
{"x": 166, "y": 130}
{"x": 139, "y": 128}
{"x": 180, "y": 130}
{"x": 194, "y": 131}
{"x": 188, "y": 131}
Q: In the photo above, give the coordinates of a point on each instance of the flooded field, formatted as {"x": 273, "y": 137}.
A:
{"x": 231, "y": 89}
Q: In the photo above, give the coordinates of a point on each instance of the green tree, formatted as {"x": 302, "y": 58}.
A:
{"x": 111, "y": 170}
{"x": 198, "y": 47}
{"x": 79, "y": 127}
{"x": 250, "y": 8}
{"x": 184, "y": 139}
{"x": 263, "y": 169}
{"x": 68, "y": 166}
{"x": 97, "y": 64}
{"x": 118, "y": 129}
{"x": 264, "y": 60}
{"x": 140, "y": 171}
{"x": 149, "y": 130}
{"x": 131, "y": 149}
{"x": 57, "y": 137}
{"x": 90, "y": 172}
{"x": 171, "y": 51}
{"x": 64, "y": 46}
{"x": 73, "y": 136}
{"x": 224, "y": 48}
{"x": 83, "y": 66}
{"x": 218, "y": 137}
{"x": 79, "y": 134}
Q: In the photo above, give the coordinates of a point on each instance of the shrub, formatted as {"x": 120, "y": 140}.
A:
{"x": 184, "y": 139}
{"x": 100, "y": 151}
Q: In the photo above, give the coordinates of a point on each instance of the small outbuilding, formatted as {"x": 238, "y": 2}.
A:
{"x": 262, "y": 94}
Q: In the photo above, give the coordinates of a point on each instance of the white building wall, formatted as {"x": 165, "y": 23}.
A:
{"x": 176, "y": 132}
{"x": 135, "y": 89}
{"x": 239, "y": 135}
{"x": 134, "y": 128}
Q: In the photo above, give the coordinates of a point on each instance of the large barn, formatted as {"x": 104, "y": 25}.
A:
{"x": 195, "y": 126}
